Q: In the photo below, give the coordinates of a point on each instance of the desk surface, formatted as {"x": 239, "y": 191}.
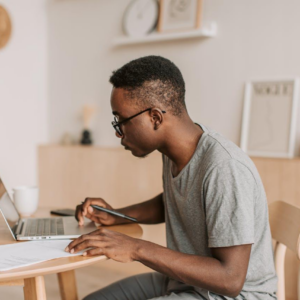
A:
{"x": 56, "y": 265}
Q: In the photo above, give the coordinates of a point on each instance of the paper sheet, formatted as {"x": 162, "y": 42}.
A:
{"x": 28, "y": 253}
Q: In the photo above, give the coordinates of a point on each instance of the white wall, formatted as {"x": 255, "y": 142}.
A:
{"x": 256, "y": 39}
{"x": 23, "y": 91}
{"x": 69, "y": 63}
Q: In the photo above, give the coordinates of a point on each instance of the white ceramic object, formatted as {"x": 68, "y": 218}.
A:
{"x": 140, "y": 17}
{"x": 26, "y": 199}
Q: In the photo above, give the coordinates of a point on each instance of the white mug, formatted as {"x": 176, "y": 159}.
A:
{"x": 26, "y": 199}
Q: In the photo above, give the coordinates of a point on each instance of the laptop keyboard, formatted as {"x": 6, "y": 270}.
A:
{"x": 44, "y": 227}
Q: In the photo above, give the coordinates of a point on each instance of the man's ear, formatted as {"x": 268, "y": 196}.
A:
{"x": 156, "y": 117}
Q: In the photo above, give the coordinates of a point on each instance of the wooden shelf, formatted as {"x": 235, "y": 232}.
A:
{"x": 205, "y": 32}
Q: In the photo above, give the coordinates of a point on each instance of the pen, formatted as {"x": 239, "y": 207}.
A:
{"x": 112, "y": 212}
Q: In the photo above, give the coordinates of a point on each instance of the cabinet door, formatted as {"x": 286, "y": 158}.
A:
{"x": 69, "y": 174}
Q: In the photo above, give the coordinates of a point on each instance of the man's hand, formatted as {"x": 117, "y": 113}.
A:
{"x": 114, "y": 245}
{"x": 100, "y": 217}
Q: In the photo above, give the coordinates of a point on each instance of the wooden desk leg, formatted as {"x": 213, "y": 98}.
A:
{"x": 67, "y": 285}
{"x": 34, "y": 288}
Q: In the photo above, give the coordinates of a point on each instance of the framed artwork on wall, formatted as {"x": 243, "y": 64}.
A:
{"x": 177, "y": 15}
{"x": 269, "y": 118}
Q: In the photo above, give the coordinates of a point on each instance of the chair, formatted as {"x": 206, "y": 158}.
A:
{"x": 285, "y": 228}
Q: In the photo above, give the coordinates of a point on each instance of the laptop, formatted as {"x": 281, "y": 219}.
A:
{"x": 57, "y": 228}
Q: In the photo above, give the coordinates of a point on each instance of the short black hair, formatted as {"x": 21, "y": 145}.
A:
{"x": 152, "y": 81}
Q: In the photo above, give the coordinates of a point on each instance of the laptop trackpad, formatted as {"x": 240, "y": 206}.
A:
{"x": 72, "y": 228}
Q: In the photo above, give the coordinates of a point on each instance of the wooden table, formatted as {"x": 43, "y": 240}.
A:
{"x": 32, "y": 277}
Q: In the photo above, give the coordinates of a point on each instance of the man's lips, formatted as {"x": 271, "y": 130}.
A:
{"x": 126, "y": 148}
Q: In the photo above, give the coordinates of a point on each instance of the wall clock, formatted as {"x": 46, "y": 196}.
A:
{"x": 140, "y": 17}
{"x": 5, "y": 27}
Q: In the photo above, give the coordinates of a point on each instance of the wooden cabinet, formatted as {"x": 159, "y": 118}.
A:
{"x": 281, "y": 178}
{"x": 69, "y": 174}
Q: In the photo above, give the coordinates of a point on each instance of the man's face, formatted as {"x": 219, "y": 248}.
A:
{"x": 139, "y": 135}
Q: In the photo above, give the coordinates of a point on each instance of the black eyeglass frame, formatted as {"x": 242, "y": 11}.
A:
{"x": 116, "y": 124}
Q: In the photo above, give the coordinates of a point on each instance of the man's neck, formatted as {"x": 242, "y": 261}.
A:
{"x": 181, "y": 143}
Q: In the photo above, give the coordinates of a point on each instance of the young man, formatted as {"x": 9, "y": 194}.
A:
{"x": 213, "y": 202}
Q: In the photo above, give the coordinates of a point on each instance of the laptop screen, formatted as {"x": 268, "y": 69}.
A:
{"x": 7, "y": 207}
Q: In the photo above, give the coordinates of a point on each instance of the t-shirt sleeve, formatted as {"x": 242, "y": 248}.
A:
{"x": 230, "y": 191}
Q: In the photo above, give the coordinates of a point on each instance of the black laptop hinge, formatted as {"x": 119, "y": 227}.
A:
{"x": 15, "y": 228}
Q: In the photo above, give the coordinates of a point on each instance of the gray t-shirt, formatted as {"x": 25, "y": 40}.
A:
{"x": 218, "y": 200}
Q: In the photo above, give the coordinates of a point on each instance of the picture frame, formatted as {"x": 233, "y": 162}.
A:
{"x": 270, "y": 118}
{"x": 179, "y": 15}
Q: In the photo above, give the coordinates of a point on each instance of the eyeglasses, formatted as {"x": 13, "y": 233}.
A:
{"x": 116, "y": 124}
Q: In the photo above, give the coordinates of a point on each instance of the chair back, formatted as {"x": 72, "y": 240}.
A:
{"x": 285, "y": 229}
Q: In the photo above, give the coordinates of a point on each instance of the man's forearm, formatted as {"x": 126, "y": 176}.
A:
{"x": 148, "y": 212}
{"x": 205, "y": 272}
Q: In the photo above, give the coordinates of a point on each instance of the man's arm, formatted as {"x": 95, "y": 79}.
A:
{"x": 224, "y": 273}
{"x": 148, "y": 212}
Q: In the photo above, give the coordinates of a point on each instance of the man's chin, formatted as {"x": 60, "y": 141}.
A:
{"x": 140, "y": 155}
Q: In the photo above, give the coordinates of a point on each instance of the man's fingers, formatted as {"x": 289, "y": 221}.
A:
{"x": 78, "y": 215}
{"x": 90, "y": 201}
{"x": 93, "y": 218}
{"x": 97, "y": 234}
{"x": 85, "y": 210}
{"x": 92, "y": 252}
{"x": 97, "y": 213}
{"x": 83, "y": 242}
{"x": 85, "y": 206}
{"x": 84, "y": 245}
{"x": 75, "y": 242}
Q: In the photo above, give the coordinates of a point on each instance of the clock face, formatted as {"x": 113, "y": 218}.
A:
{"x": 140, "y": 17}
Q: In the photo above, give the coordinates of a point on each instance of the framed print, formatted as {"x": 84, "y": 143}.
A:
{"x": 269, "y": 118}
{"x": 176, "y": 15}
